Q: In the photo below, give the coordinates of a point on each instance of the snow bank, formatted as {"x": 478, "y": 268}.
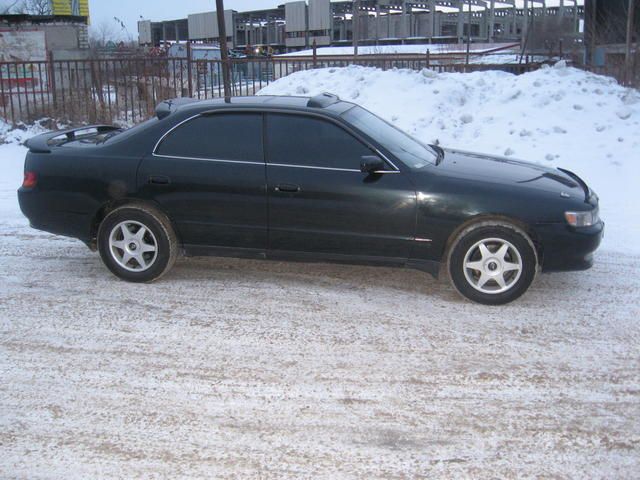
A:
{"x": 18, "y": 135}
{"x": 556, "y": 116}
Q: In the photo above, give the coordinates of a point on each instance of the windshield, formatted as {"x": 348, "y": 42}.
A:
{"x": 409, "y": 150}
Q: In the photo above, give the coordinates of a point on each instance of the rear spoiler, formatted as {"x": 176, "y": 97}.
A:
{"x": 43, "y": 143}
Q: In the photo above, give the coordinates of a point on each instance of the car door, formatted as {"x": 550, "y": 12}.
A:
{"x": 208, "y": 174}
{"x": 320, "y": 202}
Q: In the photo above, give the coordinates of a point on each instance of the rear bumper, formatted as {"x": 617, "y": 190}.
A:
{"x": 565, "y": 248}
{"x": 39, "y": 208}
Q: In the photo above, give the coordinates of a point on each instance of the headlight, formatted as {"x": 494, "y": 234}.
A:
{"x": 582, "y": 219}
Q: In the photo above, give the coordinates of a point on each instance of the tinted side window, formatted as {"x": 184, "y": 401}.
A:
{"x": 308, "y": 141}
{"x": 221, "y": 136}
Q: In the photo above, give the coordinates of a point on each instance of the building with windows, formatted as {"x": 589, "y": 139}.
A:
{"x": 298, "y": 24}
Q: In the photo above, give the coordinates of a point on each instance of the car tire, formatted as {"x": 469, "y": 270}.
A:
{"x": 492, "y": 263}
{"x": 137, "y": 243}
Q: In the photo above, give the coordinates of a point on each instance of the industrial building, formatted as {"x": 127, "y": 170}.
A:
{"x": 298, "y": 24}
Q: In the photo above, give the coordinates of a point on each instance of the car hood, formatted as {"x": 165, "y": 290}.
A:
{"x": 480, "y": 167}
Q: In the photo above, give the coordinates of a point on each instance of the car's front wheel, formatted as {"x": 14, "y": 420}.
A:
{"x": 137, "y": 243}
{"x": 492, "y": 263}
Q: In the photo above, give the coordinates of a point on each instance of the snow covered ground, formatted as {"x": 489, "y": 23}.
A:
{"x": 245, "y": 369}
{"x": 504, "y": 53}
{"x": 555, "y": 116}
{"x": 402, "y": 49}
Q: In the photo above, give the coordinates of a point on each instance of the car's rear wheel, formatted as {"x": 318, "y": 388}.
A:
{"x": 492, "y": 263}
{"x": 137, "y": 243}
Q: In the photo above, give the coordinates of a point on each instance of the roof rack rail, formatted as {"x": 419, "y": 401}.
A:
{"x": 165, "y": 108}
{"x": 323, "y": 100}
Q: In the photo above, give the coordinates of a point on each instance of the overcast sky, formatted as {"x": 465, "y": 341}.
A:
{"x": 130, "y": 11}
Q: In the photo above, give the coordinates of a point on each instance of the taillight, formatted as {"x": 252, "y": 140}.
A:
{"x": 30, "y": 180}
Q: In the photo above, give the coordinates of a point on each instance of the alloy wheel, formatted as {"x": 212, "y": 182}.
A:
{"x": 133, "y": 246}
{"x": 492, "y": 265}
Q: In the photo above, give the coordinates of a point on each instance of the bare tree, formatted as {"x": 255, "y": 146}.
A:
{"x": 102, "y": 33}
{"x": 9, "y": 8}
{"x": 29, "y": 7}
{"x": 37, "y": 7}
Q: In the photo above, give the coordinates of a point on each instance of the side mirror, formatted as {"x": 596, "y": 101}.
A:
{"x": 371, "y": 164}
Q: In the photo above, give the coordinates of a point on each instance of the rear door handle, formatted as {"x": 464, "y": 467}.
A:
{"x": 287, "y": 188}
{"x": 159, "y": 180}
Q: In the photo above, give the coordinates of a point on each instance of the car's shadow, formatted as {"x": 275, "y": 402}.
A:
{"x": 201, "y": 272}
{"x": 365, "y": 278}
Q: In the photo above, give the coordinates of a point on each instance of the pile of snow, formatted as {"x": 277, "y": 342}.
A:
{"x": 17, "y": 135}
{"x": 556, "y": 116}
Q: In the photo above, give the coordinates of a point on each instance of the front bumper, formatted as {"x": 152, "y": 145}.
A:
{"x": 565, "y": 248}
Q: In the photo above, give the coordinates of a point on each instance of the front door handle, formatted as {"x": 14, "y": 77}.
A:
{"x": 159, "y": 180}
{"x": 287, "y": 188}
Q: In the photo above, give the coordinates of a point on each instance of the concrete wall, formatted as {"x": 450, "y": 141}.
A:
{"x": 205, "y": 25}
{"x": 320, "y": 21}
{"x": 296, "y": 24}
{"x": 62, "y": 37}
{"x": 319, "y": 15}
{"x": 144, "y": 32}
{"x": 296, "y": 16}
{"x": 22, "y": 46}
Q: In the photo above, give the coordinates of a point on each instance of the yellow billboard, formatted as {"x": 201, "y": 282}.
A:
{"x": 70, "y": 7}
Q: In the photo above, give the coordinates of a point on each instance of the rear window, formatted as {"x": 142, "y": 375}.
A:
{"x": 221, "y": 136}
{"x": 127, "y": 132}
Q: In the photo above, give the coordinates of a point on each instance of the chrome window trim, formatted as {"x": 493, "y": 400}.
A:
{"x": 155, "y": 149}
{"x": 313, "y": 167}
{"x": 384, "y": 157}
{"x": 208, "y": 159}
{"x": 264, "y": 112}
{"x": 336, "y": 169}
{"x": 378, "y": 172}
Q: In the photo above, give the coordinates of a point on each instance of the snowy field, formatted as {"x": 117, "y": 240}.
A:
{"x": 245, "y": 369}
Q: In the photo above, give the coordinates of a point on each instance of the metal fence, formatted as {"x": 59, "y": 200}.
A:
{"x": 623, "y": 75}
{"x": 127, "y": 90}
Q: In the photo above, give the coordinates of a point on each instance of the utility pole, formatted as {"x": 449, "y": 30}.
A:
{"x": 355, "y": 25}
{"x": 628, "y": 57}
{"x": 224, "y": 52}
{"x": 492, "y": 20}
{"x": 525, "y": 23}
{"x": 469, "y": 34}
